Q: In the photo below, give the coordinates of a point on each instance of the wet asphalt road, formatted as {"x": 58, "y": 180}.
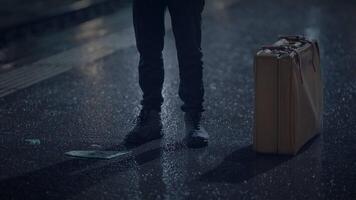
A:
{"x": 92, "y": 105}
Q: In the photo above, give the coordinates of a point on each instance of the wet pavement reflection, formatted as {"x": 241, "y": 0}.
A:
{"x": 92, "y": 106}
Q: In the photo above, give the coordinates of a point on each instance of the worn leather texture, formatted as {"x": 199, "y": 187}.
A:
{"x": 288, "y": 96}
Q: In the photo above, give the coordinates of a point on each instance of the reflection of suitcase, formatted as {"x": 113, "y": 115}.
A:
{"x": 289, "y": 98}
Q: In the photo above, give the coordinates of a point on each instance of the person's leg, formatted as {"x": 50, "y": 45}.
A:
{"x": 186, "y": 24}
{"x": 148, "y": 18}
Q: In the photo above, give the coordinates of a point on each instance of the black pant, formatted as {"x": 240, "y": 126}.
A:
{"x": 148, "y": 16}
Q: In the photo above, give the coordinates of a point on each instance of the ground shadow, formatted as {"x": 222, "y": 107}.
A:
{"x": 244, "y": 164}
{"x": 68, "y": 178}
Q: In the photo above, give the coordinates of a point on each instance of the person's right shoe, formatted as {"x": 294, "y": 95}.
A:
{"x": 148, "y": 127}
{"x": 196, "y": 135}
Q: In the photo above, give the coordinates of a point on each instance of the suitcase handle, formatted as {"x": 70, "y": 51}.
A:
{"x": 271, "y": 47}
{"x": 292, "y": 37}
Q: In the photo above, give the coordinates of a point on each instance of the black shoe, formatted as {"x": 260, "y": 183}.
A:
{"x": 196, "y": 136}
{"x": 148, "y": 127}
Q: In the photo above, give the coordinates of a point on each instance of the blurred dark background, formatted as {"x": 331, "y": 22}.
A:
{"x": 19, "y": 17}
{"x": 68, "y": 81}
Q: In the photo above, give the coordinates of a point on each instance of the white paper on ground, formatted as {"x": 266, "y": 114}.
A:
{"x": 98, "y": 154}
{"x": 33, "y": 141}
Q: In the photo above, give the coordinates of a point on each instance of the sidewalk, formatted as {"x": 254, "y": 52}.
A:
{"x": 22, "y": 14}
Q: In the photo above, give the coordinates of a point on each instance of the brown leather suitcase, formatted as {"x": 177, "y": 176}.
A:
{"x": 288, "y": 95}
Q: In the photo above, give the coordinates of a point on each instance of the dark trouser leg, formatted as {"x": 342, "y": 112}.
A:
{"x": 148, "y": 17}
{"x": 186, "y": 24}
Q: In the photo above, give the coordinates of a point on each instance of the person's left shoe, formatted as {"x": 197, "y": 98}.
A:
{"x": 196, "y": 135}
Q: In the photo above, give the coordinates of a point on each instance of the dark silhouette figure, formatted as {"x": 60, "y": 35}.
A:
{"x": 148, "y": 17}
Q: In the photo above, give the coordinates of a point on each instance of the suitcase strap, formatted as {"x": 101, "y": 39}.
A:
{"x": 287, "y": 49}
{"x": 299, "y": 65}
{"x": 301, "y": 38}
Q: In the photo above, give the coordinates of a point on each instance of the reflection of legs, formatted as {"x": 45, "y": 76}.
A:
{"x": 186, "y": 23}
{"x": 148, "y": 16}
